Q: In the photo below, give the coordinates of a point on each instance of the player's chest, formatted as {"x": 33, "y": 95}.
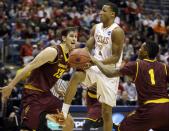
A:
{"x": 102, "y": 37}
{"x": 56, "y": 70}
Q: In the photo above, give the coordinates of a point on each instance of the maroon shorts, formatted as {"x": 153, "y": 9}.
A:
{"x": 149, "y": 116}
{"x": 34, "y": 103}
{"x": 94, "y": 112}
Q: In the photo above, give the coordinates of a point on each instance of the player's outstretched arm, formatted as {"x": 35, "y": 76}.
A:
{"x": 48, "y": 54}
{"x": 76, "y": 79}
{"x": 107, "y": 70}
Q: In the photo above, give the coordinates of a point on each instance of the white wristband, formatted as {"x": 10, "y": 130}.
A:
{"x": 65, "y": 109}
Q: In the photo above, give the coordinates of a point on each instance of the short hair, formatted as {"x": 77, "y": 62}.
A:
{"x": 66, "y": 31}
{"x": 152, "y": 49}
{"x": 113, "y": 7}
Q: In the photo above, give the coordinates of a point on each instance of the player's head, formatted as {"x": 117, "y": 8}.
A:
{"x": 69, "y": 37}
{"x": 108, "y": 11}
{"x": 149, "y": 50}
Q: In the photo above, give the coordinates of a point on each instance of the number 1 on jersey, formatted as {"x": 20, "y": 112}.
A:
{"x": 151, "y": 73}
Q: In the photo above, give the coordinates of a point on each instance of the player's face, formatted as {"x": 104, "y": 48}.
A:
{"x": 71, "y": 39}
{"x": 142, "y": 52}
{"x": 106, "y": 13}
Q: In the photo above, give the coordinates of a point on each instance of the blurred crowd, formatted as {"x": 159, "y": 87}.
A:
{"x": 37, "y": 24}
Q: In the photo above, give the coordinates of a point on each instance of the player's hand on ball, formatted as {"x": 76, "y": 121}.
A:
{"x": 87, "y": 66}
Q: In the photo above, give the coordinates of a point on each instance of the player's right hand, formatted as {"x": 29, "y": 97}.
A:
{"x": 6, "y": 92}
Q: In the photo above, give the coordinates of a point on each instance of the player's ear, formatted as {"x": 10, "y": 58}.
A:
{"x": 145, "y": 53}
{"x": 113, "y": 14}
{"x": 63, "y": 38}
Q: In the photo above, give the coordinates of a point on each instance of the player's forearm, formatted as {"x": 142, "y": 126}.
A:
{"x": 19, "y": 76}
{"x": 111, "y": 60}
{"x": 107, "y": 70}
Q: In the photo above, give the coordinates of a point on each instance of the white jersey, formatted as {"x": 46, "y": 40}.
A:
{"x": 106, "y": 87}
{"x": 103, "y": 42}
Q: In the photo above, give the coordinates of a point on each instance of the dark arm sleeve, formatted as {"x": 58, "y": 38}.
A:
{"x": 167, "y": 68}
{"x": 130, "y": 69}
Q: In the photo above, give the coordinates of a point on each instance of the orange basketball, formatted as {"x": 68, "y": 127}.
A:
{"x": 79, "y": 58}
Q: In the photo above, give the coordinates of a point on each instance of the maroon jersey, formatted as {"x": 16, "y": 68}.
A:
{"x": 46, "y": 75}
{"x": 92, "y": 98}
{"x": 150, "y": 77}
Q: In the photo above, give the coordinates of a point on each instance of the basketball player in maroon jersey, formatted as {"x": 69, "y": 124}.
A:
{"x": 151, "y": 78}
{"x": 47, "y": 67}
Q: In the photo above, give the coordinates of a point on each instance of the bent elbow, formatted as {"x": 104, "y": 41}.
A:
{"x": 109, "y": 75}
{"x": 117, "y": 59}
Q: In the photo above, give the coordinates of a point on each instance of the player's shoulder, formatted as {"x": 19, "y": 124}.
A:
{"x": 118, "y": 29}
{"x": 49, "y": 51}
{"x": 51, "y": 48}
{"x": 98, "y": 25}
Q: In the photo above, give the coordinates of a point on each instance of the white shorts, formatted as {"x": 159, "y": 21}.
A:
{"x": 106, "y": 87}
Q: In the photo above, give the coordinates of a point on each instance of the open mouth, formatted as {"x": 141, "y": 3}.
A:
{"x": 73, "y": 43}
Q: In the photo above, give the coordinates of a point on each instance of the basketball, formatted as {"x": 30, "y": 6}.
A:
{"x": 79, "y": 58}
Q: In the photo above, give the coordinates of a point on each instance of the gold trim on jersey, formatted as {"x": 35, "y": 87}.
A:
{"x": 161, "y": 100}
{"x": 91, "y": 119}
{"x": 92, "y": 95}
{"x": 64, "y": 54}
{"x": 136, "y": 72}
{"x": 62, "y": 65}
{"x": 26, "y": 109}
{"x": 30, "y": 87}
{"x": 165, "y": 69}
{"x": 150, "y": 60}
{"x": 118, "y": 128}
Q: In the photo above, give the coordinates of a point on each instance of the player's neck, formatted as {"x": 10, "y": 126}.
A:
{"x": 64, "y": 47}
{"x": 108, "y": 23}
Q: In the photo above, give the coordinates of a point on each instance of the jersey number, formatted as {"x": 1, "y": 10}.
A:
{"x": 59, "y": 73}
{"x": 151, "y": 73}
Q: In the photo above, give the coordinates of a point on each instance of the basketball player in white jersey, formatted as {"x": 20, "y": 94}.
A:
{"x": 107, "y": 39}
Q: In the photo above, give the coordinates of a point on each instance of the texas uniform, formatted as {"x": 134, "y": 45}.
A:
{"x": 106, "y": 87}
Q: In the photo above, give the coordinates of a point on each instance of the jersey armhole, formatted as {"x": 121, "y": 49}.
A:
{"x": 165, "y": 69}
{"x": 137, "y": 65}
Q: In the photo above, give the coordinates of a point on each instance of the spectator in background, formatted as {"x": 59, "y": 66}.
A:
{"x": 157, "y": 20}
{"x": 74, "y": 13}
{"x": 158, "y": 28}
{"x": 128, "y": 49}
{"x": 26, "y": 51}
{"x": 130, "y": 89}
{"x": 119, "y": 98}
{"x": 3, "y": 75}
{"x": 132, "y": 12}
